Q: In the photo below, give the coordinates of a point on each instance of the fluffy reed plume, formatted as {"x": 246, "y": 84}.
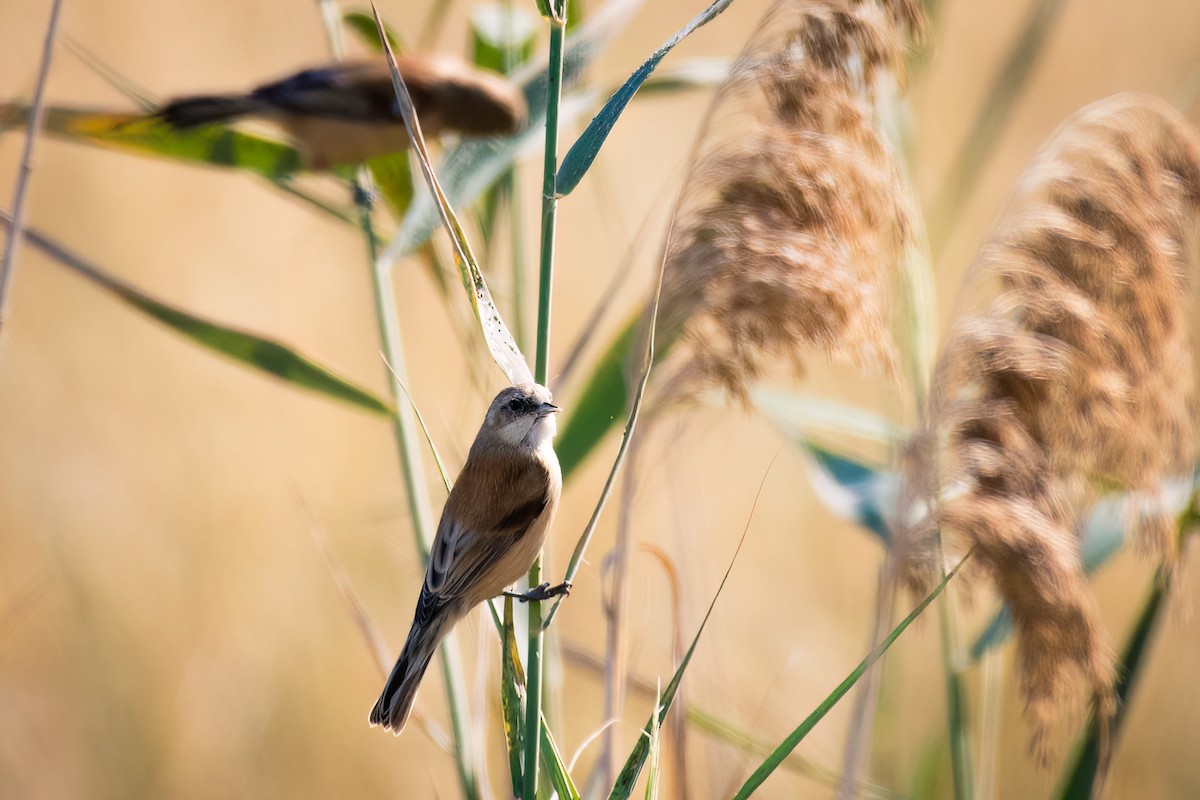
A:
{"x": 1078, "y": 377}
{"x": 793, "y": 218}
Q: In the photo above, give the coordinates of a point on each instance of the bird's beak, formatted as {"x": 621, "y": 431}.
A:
{"x": 546, "y": 409}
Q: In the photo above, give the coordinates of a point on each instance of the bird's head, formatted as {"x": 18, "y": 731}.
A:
{"x": 522, "y": 415}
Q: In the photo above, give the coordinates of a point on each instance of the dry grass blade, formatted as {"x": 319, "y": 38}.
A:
{"x": 437, "y": 458}
{"x": 1078, "y": 376}
{"x": 793, "y": 222}
{"x": 500, "y": 341}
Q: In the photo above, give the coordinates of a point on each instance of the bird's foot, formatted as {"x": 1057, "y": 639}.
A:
{"x": 543, "y": 592}
{"x": 364, "y": 197}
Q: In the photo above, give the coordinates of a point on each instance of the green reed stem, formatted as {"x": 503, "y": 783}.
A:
{"x": 533, "y": 667}
{"x": 956, "y": 703}
{"x": 408, "y": 447}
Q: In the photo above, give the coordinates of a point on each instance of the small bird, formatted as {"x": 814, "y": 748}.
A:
{"x": 346, "y": 112}
{"x": 492, "y": 528}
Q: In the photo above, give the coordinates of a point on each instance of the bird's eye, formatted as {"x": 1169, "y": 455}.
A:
{"x": 515, "y": 404}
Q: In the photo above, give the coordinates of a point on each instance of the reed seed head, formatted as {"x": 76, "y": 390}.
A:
{"x": 1077, "y": 378}
{"x": 794, "y": 217}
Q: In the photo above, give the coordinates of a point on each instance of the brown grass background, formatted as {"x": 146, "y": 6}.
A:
{"x": 168, "y": 627}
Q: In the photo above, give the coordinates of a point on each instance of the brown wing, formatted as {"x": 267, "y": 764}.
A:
{"x": 349, "y": 90}
{"x": 491, "y": 507}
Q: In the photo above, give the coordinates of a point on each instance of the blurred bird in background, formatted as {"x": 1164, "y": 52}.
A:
{"x": 346, "y": 112}
{"x": 492, "y": 529}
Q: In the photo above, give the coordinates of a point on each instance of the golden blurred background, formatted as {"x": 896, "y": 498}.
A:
{"x": 170, "y": 628}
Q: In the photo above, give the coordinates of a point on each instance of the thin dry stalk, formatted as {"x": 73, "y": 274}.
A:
{"x": 1078, "y": 377}
{"x": 616, "y": 667}
{"x": 36, "y": 113}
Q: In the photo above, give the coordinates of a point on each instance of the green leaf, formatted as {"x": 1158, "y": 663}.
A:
{"x": 472, "y": 166}
{"x": 600, "y": 404}
{"x": 512, "y": 701}
{"x": 512, "y": 705}
{"x": 263, "y": 354}
{"x": 730, "y": 734}
{"x": 555, "y": 767}
{"x": 1081, "y": 780}
{"x": 148, "y": 135}
{"x": 363, "y": 26}
{"x": 627, "y": 779}
{"x": 581, "y": 155}
{"x": 652, "y": 772}
{"x": 795, "y": 737}
{"x": 696, "y": 73}
{"x": 604, "y": 400}
{"x": 393, "y": 177}
{"x": 862, "y": 493}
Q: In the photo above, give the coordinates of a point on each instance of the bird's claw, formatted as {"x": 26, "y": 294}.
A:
{"x": 364, "y": 197}
{"x": 542, "y": 592}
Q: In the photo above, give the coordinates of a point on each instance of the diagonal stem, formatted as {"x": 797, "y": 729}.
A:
{"x": 408, "y": 448}
{"x": 36, "y": 114}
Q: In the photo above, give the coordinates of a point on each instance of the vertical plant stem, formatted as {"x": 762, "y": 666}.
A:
{"x": 36, "y": 114}
{"x": 956, "y": 704}
{"x": 533, "y": 667}
{"x": 989, "y": 725}
{"x": 408, "y": 446}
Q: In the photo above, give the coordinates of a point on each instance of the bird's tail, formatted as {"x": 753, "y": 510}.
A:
{"x": 395, "y": 702}
{"x": 188, "y": 112}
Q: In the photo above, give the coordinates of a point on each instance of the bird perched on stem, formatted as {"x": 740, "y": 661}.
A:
{"x": 346, "y": 113}
{"x": 492, "y": 529}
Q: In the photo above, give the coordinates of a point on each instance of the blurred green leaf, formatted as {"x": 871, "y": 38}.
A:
{"x": 148, "y": 135}
{"x": 627, "y": 778}
{"x": 864, "y": 494}
{"x": 502, "y": 39}
{"x": 798, "y": 415}
{"x": 1081, "y": 780}
{"x": 696, "y": 73}
{"x": 393, "y": 177}
{"x": 502, "y": 36}
{"x": 575, "y": 14}
{"x": 795, "y": 737}
{"x": 933, "y": 774}
{"x": 265, "y": 355}
{"x": 581, "y": 155}
{"x": 363, "y": 26}
{"x": 471, "y": 166}
{"x": 600, "y": 404}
